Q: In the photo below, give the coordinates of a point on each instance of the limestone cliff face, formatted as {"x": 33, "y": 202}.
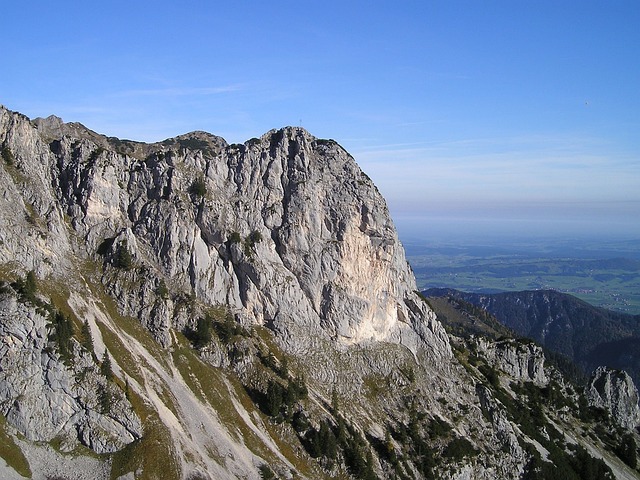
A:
{"x": 286, "y": 229}
{"x": 615, "y": 391}
{"x": 521, "y": 360}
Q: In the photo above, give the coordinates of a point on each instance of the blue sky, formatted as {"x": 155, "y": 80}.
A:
{"x": 503, "y": 115}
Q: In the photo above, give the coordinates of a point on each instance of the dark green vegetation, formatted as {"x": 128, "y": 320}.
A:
{"x": 266, "y": 473}
{"x": 121, "y": 256}
{"x": 463, "y": 318}
{"x": 250, "y": 242}
{"x": 612, "y": 282}
{"x": 7, "y": 156}
{"x": 416, "y": 439}
{"x": 215, "y": 322}
{"x": 198, "y": 188}
{"x": 61, "y": 334}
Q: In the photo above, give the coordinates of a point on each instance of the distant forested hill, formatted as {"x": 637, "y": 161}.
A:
{"x": 590, "y": 336}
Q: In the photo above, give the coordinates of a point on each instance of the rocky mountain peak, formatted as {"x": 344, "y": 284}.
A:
{"x": 614, "y": 391}
{"x": 286, "y": 229}
{"x": 52, "y": 126}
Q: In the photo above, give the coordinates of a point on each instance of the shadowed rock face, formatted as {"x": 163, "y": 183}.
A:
{"x": 615, "y": 391}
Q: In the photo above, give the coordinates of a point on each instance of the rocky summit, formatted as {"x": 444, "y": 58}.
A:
{"x": 193, "y": 309}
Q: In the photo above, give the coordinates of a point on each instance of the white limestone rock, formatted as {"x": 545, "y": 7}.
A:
{"x": 325, "y": 260}
{"x": 503, "y": 429}
{"x": 522, "y": 360}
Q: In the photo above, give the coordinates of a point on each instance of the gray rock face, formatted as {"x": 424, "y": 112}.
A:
{"x": 615, "y": 391}
{"x": 44, "y": 398}
{"x": 286, "y": 229}
{"x": 521, "y": 361}
{"x": 503, "y": 429}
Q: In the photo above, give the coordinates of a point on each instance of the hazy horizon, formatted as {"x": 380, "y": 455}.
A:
{"x": 477, "y": 229}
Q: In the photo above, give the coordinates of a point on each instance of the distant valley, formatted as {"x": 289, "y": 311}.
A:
{"x": 606, "y": 275}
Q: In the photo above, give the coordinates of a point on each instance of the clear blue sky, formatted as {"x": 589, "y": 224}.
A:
{"x": 518, "y": 111}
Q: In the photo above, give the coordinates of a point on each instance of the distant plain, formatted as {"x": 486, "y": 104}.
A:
{"x": 605, "y": 273}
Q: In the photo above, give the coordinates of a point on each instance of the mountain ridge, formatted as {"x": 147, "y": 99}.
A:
{"x": 590, "y": 336}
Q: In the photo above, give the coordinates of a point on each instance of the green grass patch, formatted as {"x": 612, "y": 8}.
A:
{"x": 125, "y": 359}
{"x": 8, "y": 272}
{"x": 129, "y": 325}
{"x": 375, "y": 386}
{"x": 152, "y": 454}
{"x": 266, "y": 336}
{"x": 131, "y": 365}
{"x": 11, "y": 453}
{"x": 208, "y": 384}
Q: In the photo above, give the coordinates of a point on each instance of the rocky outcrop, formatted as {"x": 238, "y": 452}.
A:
{"x": 495, "y": 413}
{"x": 614, "y": 391}
{"x": 46, "y": 397}
{"x": 588, "y": 335}
{"x": 522, "y": 360}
